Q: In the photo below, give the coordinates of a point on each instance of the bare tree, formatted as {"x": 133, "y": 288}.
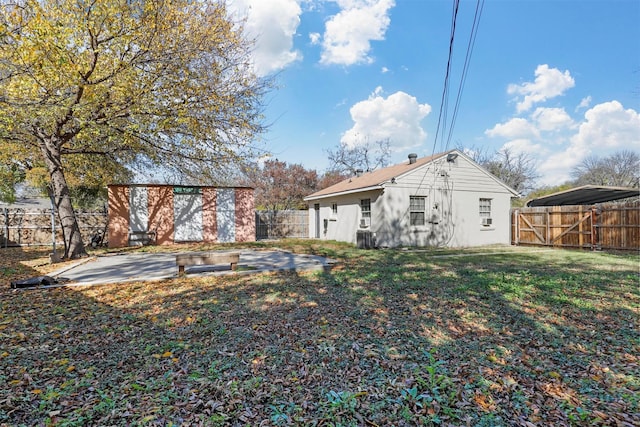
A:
{"x": 518, "y": 171}
{"x": 620, "y": 169}
{"x": 366, "y": 157}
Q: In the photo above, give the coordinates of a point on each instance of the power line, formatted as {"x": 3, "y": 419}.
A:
{"x": 465, "y": 68}
{"x": 441, "y": 127}
{"x": 442, "y": 119}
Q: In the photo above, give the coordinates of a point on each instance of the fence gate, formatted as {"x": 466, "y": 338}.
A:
{"x": 613, "y": 226}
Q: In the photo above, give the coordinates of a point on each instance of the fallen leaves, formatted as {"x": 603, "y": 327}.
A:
{"x": 461, "y": 344}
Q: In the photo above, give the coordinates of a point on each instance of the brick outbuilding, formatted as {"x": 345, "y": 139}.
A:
{"x": 166, "y": 214}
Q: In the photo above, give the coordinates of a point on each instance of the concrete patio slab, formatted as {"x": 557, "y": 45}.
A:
{"x": 120, "y": 268}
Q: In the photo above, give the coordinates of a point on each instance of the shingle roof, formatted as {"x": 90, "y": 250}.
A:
{"x": 370, "y": 180}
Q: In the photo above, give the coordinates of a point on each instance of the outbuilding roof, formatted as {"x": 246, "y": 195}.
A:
{"x": 585, "y": 195}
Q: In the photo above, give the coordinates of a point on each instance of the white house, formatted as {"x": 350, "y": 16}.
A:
{"x": 446, "y": 200}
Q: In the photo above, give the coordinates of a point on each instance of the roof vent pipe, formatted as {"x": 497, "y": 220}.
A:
{"x": 359, "y": 172}
{"x": 412, "y": 158}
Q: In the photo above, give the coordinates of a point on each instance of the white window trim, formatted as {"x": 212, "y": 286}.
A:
{"x": 485, "y": 213}
{"x": 365, "y": 221}
{"x": 423, "y": 211}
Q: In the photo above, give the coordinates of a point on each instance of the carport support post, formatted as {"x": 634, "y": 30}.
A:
{"x": 516, "y": 227}
{"x": 594, "y": 234}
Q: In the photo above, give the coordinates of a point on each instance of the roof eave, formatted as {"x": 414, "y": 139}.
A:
{"x": 343, "y": 193}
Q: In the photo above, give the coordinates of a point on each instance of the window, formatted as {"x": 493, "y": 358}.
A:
{"x": 365, "y": 211}
{"x": 485, "y": 212}
{"x": 485, "y": 208}
{"x": 334, "y": 209}
{"x": 417, "y": 206}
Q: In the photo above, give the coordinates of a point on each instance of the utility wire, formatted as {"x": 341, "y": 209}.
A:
{"x": 465, "y": 68}
{"x": 442, "y": 115}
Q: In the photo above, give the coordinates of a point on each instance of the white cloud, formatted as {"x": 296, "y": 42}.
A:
{"x": 518, "y": 146}
{"x": 396, "y": 117}
{"x": 606, "y": 128}
{"x": 609, "y": 126}
{"x": 584, "y": 103}
{"x": 348, "y": 34}
{"x": 273, "y": 24}
{"x": 556, "y": 168}
{"x": 314, "y": 38}
{"x": 549, "y": 83}
{"x": 551, "y": 119}
{"x": 514, "y": 128}
{"x": 384, "y": 70}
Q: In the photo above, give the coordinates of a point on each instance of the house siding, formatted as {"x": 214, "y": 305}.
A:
{"x": 345, "y": 224}
{"x": 452, "y": 192}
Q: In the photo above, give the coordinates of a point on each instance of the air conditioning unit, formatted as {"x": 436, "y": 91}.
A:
{"x": 365, "y": 239}
{"x": 364, "y": 222}
{"x": 487, "y": 221}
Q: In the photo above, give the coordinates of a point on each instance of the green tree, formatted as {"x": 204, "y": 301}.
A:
{"x": 281, "y": 186}
{"x": 115, "y": 85}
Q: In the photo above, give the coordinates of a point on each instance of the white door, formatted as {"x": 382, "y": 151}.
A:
{"x": 138, "y": 209}
{"x": 187, "y": 209}
{"x": 226, "y": 214}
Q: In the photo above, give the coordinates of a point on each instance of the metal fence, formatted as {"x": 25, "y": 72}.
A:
{"x": 279, "y": 224}
{"x": 40, "y": 227}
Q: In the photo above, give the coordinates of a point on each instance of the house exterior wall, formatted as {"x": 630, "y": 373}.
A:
{"x": 344, "y": 225}
{"x": 452, "y": 192}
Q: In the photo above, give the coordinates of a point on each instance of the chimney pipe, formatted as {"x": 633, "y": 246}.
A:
{"x": 412, "y": 158}
{"x": 359, "y": 172}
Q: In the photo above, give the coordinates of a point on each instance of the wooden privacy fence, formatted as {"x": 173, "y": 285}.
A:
{"x": 38, "y": 227}
{"x": 279, "y": 224}
{"x": 603, "y": 226}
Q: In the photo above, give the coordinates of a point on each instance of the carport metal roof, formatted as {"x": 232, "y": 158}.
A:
{"x": 585, "y": 195}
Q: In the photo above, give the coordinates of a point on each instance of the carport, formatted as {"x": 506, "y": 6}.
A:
{"x": 585, "y": 195}
{"x": 580, "y": 218}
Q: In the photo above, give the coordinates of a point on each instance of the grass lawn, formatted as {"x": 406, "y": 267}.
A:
{"x": 389, "y": 337}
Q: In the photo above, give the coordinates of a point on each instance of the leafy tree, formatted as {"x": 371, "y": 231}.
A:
{"x": 330, "y": 178}
{"x": 10, "y": 175}
{"x": 346, "y": 160}
{"x": 115, "y": 85}
{"x": 281, "y": 186}
{"x": 620, "y": 169}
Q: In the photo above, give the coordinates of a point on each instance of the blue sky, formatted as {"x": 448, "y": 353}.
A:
{"x": 559, "y": 79}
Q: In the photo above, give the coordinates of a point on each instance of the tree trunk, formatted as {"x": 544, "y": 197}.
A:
{"x": 73, "y": 245}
